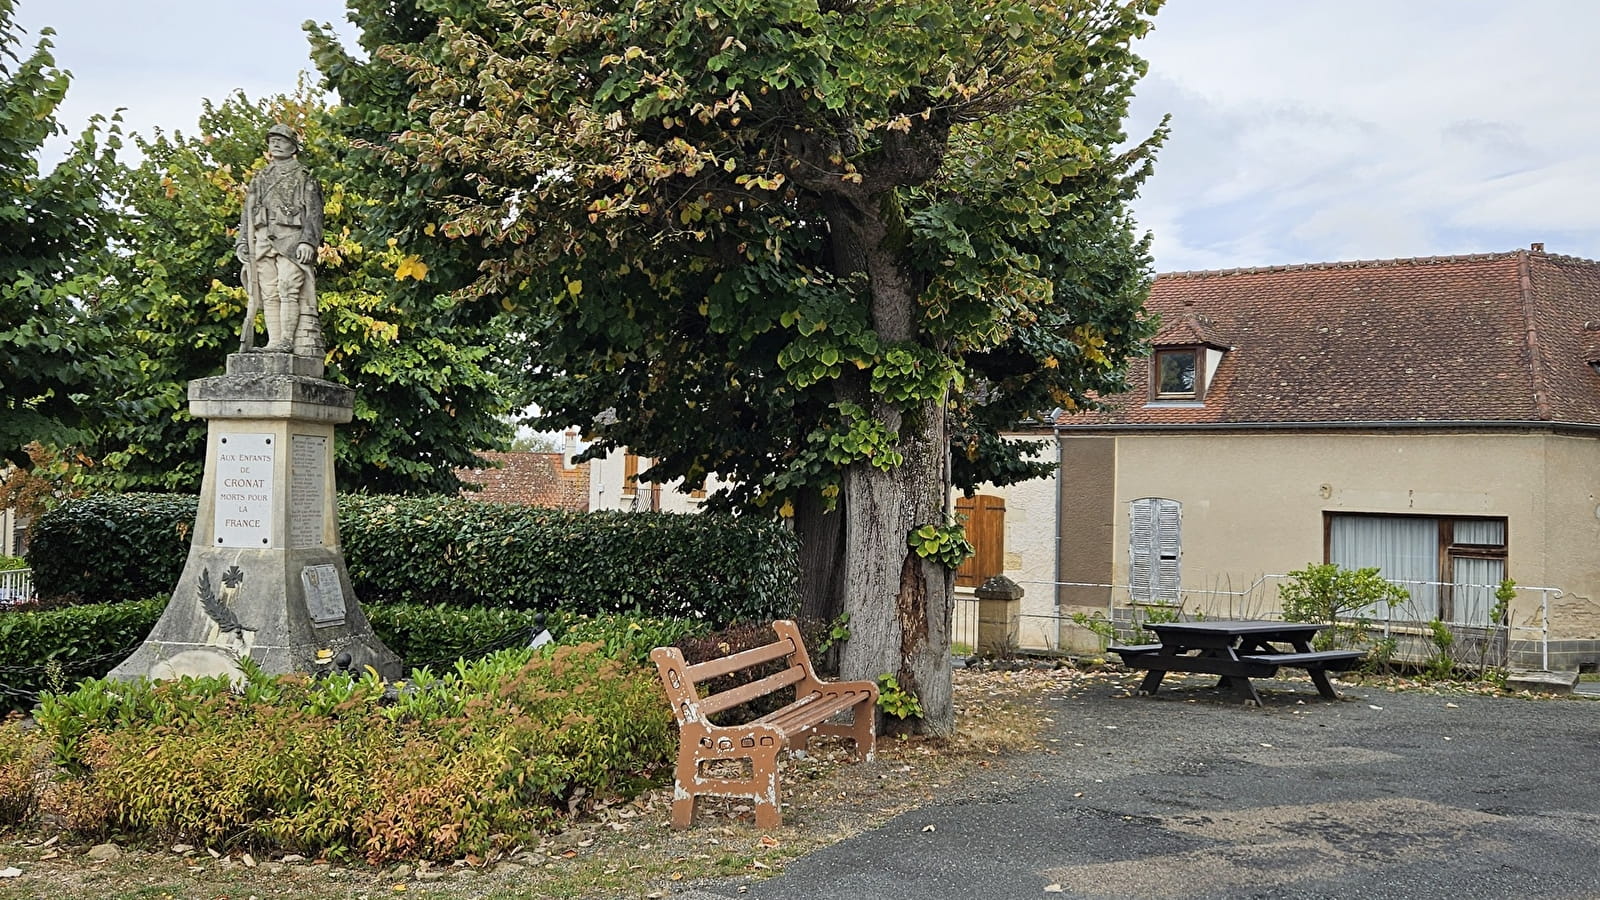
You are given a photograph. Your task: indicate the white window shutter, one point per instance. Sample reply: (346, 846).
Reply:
(1168, 546)
(1141, 548)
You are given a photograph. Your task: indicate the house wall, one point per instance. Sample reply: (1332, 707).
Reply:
(1253, 506)
(7, 527)
(1030, 555)
(606, 489)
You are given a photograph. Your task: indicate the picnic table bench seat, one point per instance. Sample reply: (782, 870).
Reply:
(1337, 660)
(1124, 651)
(1236, 650)
(812, 712)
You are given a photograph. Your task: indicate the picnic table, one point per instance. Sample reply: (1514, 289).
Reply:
(1237, 650)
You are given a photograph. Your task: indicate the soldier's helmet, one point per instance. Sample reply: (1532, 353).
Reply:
(284, 131)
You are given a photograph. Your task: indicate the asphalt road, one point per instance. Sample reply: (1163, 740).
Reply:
(1188, 795)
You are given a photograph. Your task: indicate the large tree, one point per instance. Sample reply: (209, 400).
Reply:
(52, 226)
(429, 390)
(803, 245)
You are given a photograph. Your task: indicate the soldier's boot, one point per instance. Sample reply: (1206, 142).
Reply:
(280, 328)
(308, 336)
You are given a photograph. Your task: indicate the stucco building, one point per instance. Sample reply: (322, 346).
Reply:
(1437, 418)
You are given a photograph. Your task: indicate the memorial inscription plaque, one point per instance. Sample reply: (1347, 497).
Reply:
(324, 596)
(308, 461)
(243, 499)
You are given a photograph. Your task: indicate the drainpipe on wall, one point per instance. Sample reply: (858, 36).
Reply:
(1055, 572)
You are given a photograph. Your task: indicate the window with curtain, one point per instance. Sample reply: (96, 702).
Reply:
(1450, 566)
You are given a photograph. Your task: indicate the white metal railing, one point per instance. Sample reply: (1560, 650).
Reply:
(16, 586)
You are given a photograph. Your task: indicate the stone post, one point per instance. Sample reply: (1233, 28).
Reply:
(999, 616)
(265, 576)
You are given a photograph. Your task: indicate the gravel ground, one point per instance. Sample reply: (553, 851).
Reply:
(1188, 795)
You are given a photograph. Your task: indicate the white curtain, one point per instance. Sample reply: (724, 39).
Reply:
(1472, 592)
(1403, 548)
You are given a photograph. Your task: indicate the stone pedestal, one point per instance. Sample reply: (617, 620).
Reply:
(265, 577)
(999, 616)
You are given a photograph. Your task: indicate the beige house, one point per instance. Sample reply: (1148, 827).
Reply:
(10, 533)
(1437, 418)
(614, 484)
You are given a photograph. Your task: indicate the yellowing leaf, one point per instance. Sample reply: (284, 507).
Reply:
(574, 288)
(787, 509)
(411, 267)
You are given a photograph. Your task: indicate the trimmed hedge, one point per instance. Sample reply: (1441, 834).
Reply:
(54, 648)
(431, 550)
(109, 547)
(464, 553)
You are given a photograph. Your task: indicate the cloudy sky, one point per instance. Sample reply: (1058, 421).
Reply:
(1305, 131)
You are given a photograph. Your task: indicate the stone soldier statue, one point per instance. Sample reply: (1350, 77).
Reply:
(279, 233)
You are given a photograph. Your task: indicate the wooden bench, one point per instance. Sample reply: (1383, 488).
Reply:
(702, 742)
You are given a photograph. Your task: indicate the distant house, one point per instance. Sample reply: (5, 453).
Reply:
(614, 484)
(11, 532)
(1437, 418)
(545, 480)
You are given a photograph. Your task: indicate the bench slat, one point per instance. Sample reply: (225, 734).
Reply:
(1135, 648)
(1323, 659)
(744, 693)
(742, 660)
(811, 709)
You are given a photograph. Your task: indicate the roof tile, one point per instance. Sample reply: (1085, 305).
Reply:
(1488, 337)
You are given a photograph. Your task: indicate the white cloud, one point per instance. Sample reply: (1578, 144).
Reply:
(1318, 131)
(1302, 131)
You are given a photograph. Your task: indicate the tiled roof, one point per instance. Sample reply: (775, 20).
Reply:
(529, 479)
(1497, 337)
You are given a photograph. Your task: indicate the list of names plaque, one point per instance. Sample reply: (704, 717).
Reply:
(243, 493)
(324, 595)
(308, 476)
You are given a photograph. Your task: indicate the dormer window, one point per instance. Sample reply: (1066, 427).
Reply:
(1177, 374)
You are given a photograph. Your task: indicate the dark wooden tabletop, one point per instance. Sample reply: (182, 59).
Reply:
(1237, 627)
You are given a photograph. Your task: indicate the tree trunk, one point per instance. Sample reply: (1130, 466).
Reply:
(900, 603)
(821, 534)
(822, 551)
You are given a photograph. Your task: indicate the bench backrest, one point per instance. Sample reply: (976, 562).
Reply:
(679, 678)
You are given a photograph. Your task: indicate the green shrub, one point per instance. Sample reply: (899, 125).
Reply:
(436, 636)
(628, 637)
(471, 761)
(433, 551)
(8, 563)
(48, 649)
(464, 553)
(54, 649)
(109, 547)
(1339, 598)
(22, 752)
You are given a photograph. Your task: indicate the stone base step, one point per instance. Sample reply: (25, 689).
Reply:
(1541, 682)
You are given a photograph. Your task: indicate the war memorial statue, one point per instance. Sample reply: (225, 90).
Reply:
(265, 578)
(280, 230)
